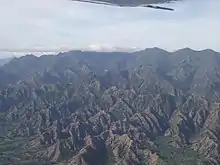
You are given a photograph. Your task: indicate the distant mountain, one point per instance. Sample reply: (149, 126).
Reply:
(149, 107)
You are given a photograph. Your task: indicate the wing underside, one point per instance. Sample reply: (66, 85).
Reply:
(131, 3)
(97, 2)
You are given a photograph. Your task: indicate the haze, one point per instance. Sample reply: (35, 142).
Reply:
(61, 25)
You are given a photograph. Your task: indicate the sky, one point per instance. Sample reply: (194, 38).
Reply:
(62, 25)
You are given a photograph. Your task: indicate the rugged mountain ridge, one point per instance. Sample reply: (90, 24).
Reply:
(90, 108)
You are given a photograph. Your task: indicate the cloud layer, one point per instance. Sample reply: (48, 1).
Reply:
(56, 25)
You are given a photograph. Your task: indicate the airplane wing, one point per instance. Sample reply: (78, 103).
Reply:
(132, 3)
(100, 2)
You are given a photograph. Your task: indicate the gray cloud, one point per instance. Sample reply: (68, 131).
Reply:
(58, 24)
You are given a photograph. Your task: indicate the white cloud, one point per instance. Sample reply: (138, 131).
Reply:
(62, 24)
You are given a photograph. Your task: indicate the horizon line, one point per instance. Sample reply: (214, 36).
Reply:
(90, 49)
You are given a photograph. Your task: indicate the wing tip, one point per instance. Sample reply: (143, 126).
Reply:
(159, 7)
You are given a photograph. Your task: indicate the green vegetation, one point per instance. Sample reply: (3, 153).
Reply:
(111, 157)
(15, 149)
(171, 155)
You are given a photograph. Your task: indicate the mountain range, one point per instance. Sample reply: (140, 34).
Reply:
(149, 107)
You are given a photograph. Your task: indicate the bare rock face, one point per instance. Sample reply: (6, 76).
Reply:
(90, 108)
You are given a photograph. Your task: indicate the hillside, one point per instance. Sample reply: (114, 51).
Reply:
(150, 107)
(4, 61)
